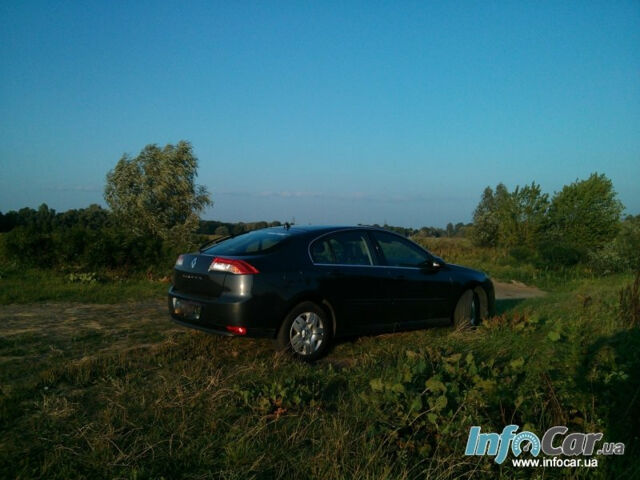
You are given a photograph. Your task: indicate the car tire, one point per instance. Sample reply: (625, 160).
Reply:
(467, 311)
(306, 332)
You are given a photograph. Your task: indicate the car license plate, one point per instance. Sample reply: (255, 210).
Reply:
(186, 309)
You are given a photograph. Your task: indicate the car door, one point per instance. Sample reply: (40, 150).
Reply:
(351, 280)
(419, 289)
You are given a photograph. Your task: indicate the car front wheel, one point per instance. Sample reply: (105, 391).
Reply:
(306, 332)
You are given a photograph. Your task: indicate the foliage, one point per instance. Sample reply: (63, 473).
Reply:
(630, 303)
(623, 252)
(89, 278)
(509, 218)
(522, 254)
(95, 239)
(45, 219)
(522, 214)
(22, 285)
(579, 223)
(585, 214)
(155, 193)
(520, 264)
(29, 245)
(560, 254)
(215, 227)
(222, 231)
(112, 246)
(485, 220)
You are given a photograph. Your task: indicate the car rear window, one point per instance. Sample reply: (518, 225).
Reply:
(251, 243)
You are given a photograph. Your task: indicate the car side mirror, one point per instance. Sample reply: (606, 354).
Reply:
(432, 265)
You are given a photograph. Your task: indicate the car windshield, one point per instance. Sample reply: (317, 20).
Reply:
(251, 243)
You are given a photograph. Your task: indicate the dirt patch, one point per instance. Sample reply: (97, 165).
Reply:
(43, 331)
(515, 289)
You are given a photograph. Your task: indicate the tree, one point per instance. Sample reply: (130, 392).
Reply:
(521, 215)
(585, 214)
(623, 252)
(509, 219)
(450, 229)
(155, 193)
(485, 220)
(44, 218)
(222, 231)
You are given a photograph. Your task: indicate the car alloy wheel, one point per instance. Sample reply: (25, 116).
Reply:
(306, 333)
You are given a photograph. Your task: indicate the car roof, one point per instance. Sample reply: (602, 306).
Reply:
(320, 229)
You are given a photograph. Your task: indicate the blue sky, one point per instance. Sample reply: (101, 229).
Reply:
(326, 112)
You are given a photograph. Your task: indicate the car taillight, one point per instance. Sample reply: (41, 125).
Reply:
(229, 265)
(237, 330)
(179, 260)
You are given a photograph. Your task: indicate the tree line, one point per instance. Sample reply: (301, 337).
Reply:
(96, 237)
(155, 207)
(96, 217)
(580, 223)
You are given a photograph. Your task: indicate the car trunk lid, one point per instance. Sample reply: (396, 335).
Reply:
(192, 275)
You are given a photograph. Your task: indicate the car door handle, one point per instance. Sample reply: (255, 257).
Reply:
(336, 273)
(399, 277)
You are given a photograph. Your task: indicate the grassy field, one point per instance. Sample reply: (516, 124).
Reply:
(499, 264)
(117, 391)
(28, 285)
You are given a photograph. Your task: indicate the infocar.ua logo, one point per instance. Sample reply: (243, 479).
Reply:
(499, 444)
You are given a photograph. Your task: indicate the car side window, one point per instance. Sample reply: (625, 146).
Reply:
(321, 252)
(398, 252)
(343, 248)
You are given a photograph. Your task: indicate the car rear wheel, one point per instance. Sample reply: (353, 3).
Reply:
(305, 332)
(467, 311)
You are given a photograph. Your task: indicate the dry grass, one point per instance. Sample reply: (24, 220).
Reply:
(118, 391)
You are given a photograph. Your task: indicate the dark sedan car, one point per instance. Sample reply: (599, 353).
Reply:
(305, 285)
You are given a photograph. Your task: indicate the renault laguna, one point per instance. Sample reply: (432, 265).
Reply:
(307, 285)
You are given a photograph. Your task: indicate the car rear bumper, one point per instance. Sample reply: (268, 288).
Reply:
(215, 315)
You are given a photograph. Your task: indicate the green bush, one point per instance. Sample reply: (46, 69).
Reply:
(87, 278)
(79, 247)
(29, 246)
(89, 239)
(622, 253)
(630, 303)
(557, 254)
(522, 254)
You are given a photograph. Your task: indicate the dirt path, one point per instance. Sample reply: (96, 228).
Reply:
(76, 319)
(515, 289)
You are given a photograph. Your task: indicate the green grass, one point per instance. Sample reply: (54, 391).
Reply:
(499, 265)
(28, 285)
(120, 392)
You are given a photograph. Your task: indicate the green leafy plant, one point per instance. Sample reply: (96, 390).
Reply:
(629, 304)
(88, 278)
